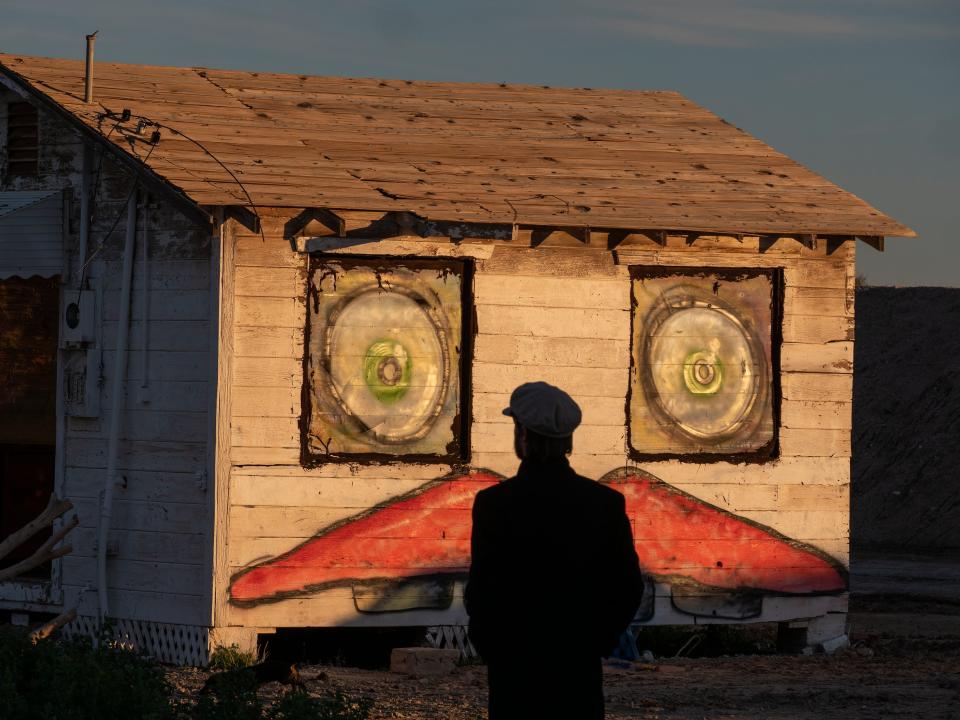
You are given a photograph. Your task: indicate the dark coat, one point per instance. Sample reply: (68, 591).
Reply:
(554, 581)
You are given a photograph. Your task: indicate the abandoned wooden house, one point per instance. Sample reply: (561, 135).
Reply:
(259, 329)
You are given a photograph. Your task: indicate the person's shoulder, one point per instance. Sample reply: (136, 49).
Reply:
(601, 494)
(495, 492)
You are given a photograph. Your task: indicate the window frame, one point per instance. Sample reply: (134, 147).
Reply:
(769, 451)
(459, 450)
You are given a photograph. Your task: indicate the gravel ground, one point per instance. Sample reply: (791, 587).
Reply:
(904, 663)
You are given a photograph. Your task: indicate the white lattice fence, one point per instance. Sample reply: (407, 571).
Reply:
(452, 636)
(165, 642)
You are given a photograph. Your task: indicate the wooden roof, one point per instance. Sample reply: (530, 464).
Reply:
(453, 151)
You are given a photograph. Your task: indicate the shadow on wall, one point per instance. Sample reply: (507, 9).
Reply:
(906, 418)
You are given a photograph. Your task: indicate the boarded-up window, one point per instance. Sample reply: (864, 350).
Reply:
(383, 372)
(704, 356)
(23, 140)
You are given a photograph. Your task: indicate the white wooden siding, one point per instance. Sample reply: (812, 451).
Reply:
(557, 314)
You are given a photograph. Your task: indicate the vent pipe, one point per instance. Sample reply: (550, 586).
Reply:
(88, 82)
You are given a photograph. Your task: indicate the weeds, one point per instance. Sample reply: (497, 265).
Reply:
(230, 658)
(75, 680)
(72, 680)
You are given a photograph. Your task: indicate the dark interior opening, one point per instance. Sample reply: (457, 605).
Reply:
(29, 313)
(23, 140)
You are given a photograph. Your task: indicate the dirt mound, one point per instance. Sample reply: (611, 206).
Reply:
(906, 418)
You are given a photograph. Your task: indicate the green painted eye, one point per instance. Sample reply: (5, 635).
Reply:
(702, 373)
(387, 367)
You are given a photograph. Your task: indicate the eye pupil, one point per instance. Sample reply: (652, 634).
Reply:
(389, 371)
(386, 370)
(704, 372)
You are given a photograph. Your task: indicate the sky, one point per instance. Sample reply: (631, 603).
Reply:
(864, 92)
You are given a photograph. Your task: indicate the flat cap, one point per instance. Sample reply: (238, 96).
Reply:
(545, 409)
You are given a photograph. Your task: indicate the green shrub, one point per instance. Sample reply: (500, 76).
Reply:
(230, 658)
(72, 680)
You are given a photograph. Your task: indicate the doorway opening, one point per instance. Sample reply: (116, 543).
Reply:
(29, 323)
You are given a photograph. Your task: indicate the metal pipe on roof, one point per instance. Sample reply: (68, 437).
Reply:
(88, 78)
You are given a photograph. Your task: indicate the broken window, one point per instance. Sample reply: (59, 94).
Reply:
(704, 362)
(383, 368)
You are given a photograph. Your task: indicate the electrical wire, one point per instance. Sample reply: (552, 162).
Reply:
(116, 221)
(219, 162)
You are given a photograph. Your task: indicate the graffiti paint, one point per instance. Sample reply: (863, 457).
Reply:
(383, 361)
(424, 536)
(702, 361)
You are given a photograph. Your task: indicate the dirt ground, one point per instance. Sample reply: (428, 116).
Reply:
(904, 662)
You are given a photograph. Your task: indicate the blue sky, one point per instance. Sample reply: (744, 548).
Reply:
(865, 92)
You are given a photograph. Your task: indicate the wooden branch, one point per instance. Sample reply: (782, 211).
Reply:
(48, 628)
(42, 554)
(55, 508)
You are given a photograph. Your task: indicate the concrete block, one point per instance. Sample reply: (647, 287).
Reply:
(826, 627)
(423, 661)
(837, 643)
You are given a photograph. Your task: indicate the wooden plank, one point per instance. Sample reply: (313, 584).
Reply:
(281, 402)
(815, 442)
(780, 472)
(282, 521)
(806, 414)
(163, 335)
(183, 548)
(219, 510)
(286, 312)
(275, 282)
(135, 605)
(813, 497)
(823, 387)
(818, 301)
(164, 305)
(349, 494)
(817, 329)
(277, 342)
(265, 432)
(267, 372)
(144, 516)
(542, 351)
(165, 396)
(166, 275)
(833, 357)
(264, 456)
(805, 525)
(546, 322)
(577, 293)
(137, 455)
(275, 252)
(578, 381)
(162, 366)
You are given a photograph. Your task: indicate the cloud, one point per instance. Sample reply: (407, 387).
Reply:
(752, 23)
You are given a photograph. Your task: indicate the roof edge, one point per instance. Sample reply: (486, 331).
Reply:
(143, 172)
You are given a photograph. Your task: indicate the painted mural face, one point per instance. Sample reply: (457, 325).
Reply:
(383, 358)
(702, 366)
(407, 552)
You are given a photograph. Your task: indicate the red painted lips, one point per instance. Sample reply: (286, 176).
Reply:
(427, 533)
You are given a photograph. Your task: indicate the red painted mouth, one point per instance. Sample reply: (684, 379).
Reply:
(427, 533)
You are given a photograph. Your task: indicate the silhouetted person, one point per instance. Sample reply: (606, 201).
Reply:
(554, 578)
